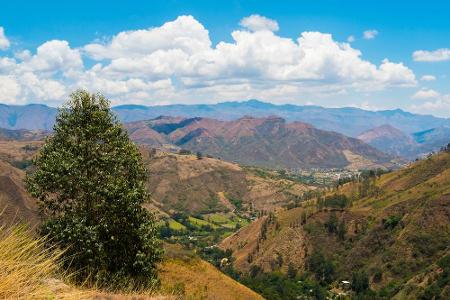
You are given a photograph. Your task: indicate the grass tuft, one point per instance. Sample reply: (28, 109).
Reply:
(28, 270)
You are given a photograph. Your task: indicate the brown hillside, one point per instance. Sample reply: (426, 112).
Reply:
(268, 142)
(182, 271)
(15, 202)
(185, 183)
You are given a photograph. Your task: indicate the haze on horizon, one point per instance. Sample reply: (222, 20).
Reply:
(178, 52)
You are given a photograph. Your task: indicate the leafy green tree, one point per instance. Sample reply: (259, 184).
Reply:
(90, 183)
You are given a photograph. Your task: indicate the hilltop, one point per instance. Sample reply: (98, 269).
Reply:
(394, 227)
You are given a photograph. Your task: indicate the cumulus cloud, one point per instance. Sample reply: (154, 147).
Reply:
(351, 38)
(442, 54)
(428, 78)
(370, 34)
(257, 23)
(4, 42)
(53, 56)
(178, 62)
(185, 34)
(426, 94)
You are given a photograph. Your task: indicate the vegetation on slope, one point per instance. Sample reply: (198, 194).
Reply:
(185, 183)
(387, 235)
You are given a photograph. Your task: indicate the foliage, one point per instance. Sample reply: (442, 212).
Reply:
(236, 202)
(360, 281)
(391, 222)
(332, 223)
(334, 201)
(90, 184)
(276, 286)
(322, 268)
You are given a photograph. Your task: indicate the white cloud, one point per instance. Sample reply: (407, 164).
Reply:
(426, 94)
(370, 34)
(53, 56)
(4, 42)
(351, 38)
(177, 62)
(440, 106)
(428, 78)
(185, 34)
(257, 23)
(442, 54)
(9, 89)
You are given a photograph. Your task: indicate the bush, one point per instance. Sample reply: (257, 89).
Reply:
(90, 186)
(391, 222)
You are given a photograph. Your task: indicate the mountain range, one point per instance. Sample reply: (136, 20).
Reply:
(349, 121)
(266, 142)
(395, 132)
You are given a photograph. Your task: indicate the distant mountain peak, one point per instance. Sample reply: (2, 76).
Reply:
(382, 131)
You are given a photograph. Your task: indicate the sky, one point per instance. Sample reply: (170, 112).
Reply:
(378, 55)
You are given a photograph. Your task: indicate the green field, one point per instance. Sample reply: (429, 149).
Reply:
(176, 226)
(199, 222)
(226, 220)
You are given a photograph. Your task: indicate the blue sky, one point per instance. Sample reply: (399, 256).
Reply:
(159, 52)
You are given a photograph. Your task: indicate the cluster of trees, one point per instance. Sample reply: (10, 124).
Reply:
(89, 180)
(333, 201)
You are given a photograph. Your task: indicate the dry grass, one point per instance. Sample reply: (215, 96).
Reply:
(28, 270)
(198, 279)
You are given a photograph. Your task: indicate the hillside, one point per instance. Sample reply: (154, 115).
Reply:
(184, 274)
(349, 121)
(395, 228)
(432, 139)
(177, 183)
(15, 203)
(266, 142)
(31, 271)
(187, 184)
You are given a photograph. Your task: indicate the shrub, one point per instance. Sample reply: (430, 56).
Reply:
(391, 222)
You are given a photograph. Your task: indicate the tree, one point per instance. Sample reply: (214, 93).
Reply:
(199, 155)
(332, 223)
(341, 230)
(360, 281)
(90, 184)
(322, 268)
